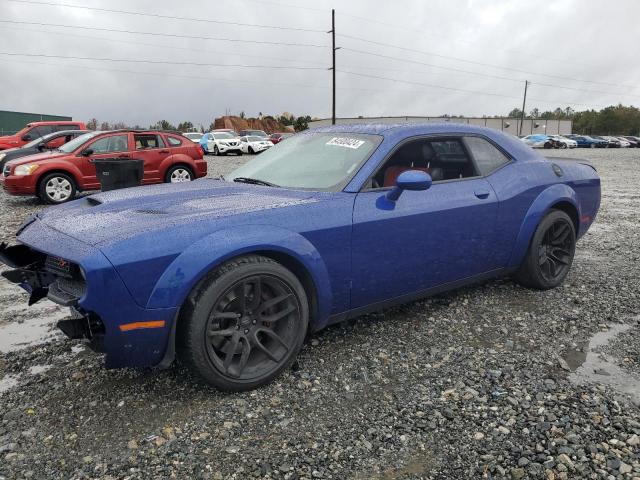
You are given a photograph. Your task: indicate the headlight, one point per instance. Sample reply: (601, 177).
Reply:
(27, 169)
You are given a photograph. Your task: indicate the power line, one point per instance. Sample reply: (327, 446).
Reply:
(163, 74)
(475, 92)
(158, 45)
(159, 34)
(449, 39)
(157, 15)
(458, 59)
(158, 62)
(481, 74)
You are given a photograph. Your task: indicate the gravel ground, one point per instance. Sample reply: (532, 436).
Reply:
(477, 383)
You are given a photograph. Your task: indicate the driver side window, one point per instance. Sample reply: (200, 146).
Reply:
(442, 158)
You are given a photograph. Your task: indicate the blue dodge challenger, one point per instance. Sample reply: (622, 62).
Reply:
(231, 274)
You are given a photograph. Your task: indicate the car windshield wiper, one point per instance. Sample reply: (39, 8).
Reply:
(254, 181)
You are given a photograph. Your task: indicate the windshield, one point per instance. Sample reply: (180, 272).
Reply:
(314, 161)
(76, 142)
(223, 136)
(35, 142)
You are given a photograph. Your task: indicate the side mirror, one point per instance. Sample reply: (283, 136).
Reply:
(87, 152)
(410, 180)
(41, 146)
(26, 138)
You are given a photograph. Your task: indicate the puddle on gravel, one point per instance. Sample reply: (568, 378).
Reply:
(8, 382)
(17, 335)
(592, 366)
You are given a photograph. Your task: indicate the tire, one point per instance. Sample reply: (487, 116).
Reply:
(239, 153)
(179, 174)
(267, 348)
(216, 151)
(547, 145)
(56, 188)
(563, 145)
(251, 151)
(550, 253)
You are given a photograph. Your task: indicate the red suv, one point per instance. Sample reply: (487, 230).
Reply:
(36, 130)
(56, 175)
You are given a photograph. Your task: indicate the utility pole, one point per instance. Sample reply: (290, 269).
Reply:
(333, 65)
(524, 103)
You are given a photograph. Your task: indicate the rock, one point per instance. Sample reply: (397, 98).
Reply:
(503, 430)
(625, 468)
(478, 436)
(8, 447)
(564, 459)
(517, 473)
(633, 440)
(132, 445)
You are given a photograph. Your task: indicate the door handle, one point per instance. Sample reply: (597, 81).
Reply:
(481, 193)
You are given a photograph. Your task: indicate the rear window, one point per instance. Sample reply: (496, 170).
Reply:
(174, 141)
(146, 141)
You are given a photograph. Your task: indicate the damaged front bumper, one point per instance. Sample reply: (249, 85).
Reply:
(49, 264)
(59, 280)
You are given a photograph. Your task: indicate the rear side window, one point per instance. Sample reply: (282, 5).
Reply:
(41, 131)
(114, 143)
(146, 141)
(174, 142)
(488, 158)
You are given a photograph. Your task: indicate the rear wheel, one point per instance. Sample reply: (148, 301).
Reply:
(244, 324)
(550, 253)
(56, 188)
(216, 151)
(178, 174)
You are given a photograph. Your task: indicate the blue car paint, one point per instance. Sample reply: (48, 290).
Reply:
(144, 249)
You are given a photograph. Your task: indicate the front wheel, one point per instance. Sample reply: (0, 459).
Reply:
(550, 253)
(216, 151)
(56, 188)
(244, 324)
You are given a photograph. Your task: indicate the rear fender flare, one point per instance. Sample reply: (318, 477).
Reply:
(175, 159)
(539, 208)
(206, 254)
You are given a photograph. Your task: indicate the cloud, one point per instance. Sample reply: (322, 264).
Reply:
(545, 44)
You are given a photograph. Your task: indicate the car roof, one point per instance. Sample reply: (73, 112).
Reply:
(416, 128)
(60, 122)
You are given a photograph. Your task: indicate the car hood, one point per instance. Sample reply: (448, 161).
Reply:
(36, 157)
(9, 141)
(117, 215)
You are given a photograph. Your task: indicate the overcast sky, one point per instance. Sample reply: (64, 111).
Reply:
(555, 43)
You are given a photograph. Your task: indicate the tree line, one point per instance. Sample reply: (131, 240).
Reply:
(615, 119)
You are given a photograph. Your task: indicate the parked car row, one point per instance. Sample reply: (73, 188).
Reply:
(56, 166)
(540, 140)
(225, 140)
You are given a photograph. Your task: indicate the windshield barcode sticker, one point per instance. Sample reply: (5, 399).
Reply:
(346, 142)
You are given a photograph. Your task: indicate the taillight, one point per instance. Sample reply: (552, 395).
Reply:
(200, 150)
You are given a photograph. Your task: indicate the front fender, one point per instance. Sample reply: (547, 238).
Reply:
(206, 254)
(539, 208)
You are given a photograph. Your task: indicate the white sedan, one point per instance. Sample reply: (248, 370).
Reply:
(220, 143)
(567, 142)
(254, 144)
(193, 136)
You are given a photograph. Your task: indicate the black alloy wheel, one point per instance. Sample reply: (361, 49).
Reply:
(550, 253)
(246, 324)
(556, 250)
